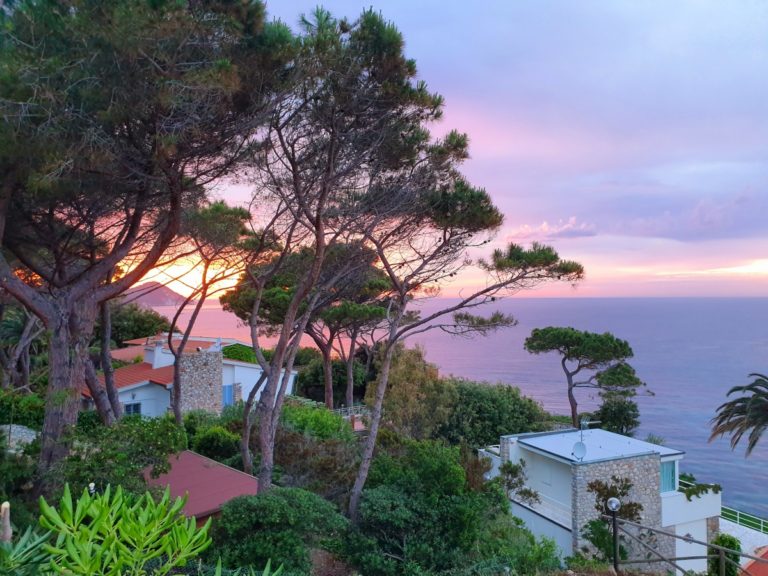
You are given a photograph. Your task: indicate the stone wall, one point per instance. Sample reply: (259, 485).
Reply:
(201, 381)
(713, 527)
(644, 474)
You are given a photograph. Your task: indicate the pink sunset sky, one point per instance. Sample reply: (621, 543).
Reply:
(632, 136)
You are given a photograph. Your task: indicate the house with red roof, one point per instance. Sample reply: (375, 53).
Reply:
(209, 381)
(207, 484)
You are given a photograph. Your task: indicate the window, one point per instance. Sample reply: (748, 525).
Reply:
(228, 395)
(668, 476)
(133, 409)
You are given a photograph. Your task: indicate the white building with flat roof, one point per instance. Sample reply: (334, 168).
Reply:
(560, 465)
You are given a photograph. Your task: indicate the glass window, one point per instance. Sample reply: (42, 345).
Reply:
(132, 409)
(668, 476)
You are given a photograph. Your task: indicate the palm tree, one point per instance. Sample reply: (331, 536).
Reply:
(747, 414)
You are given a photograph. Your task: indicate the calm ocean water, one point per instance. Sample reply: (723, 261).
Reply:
(688, 351)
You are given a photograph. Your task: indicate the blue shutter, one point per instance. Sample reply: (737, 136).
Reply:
(228, 392)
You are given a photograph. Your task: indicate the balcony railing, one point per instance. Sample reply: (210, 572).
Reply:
(737, 516)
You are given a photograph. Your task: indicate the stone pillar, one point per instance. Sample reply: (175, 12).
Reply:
(713, 528)
(201, 381)
(644, 472)
(506, 444)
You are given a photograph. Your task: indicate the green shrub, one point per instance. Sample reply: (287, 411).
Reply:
(195, 421)
(25, 556)
(217, 443)
(239, 352)
(732, 567)
(118, 454)
(283, 524)
(483, 412)
(316, 421)
(24, 409)
(311, 380)
(420, 514)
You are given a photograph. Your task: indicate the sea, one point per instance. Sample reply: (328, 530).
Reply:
(689, 351)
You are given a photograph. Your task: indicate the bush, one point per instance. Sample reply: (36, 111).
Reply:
(483, 412)
(217, 443)
(316, 421)
(311, 380)
(195, 421)
(283, 525)
(24, 409)
(732, 567)
(420, 515)
(239, 352)
(326, 467)
(619, 415)
(120, 453)
(417, 401)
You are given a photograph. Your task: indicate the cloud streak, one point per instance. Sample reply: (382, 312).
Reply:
(569, 228)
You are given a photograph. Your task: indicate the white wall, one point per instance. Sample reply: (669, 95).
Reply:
(155, 400)
(550, 478)
(698, 531)
(542, 527)
(247, 375)
(676, 509)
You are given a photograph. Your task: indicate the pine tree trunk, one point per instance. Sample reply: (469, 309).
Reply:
(99, 395)
(370, 443)
(350, 395)
(106, 360)
(67, 358)
(328, 376)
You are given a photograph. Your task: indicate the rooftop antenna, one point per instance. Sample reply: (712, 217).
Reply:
(579, 448)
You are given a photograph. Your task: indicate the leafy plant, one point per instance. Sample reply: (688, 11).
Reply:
(217, 443)
(25, 557)
(113, 534)
(288, 522)
(481, 413)
(120, 454)
(513, 478)
(696, 489)
(316, 421)
(732, 558)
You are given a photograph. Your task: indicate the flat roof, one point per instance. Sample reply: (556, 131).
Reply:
(600, 445)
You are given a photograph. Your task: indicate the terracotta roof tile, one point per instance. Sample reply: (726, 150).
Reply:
(208, 484)
(127, 354)
(138, 373)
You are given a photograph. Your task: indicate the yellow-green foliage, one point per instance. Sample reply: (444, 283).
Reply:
(112, 534)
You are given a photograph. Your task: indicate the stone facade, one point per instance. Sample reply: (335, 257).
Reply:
(644, 472)
(713, 527)
(201, 381)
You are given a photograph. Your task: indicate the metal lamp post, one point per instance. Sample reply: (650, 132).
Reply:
(613, 504)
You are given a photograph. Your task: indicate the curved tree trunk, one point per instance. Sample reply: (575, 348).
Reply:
(350, 393)
(99, 395)
(327, 376)
(67, 358)
(106, 360)
(571, 396)
(247, 426)
(370, 443)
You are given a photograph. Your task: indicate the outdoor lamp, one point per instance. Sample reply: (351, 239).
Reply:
(613, 504)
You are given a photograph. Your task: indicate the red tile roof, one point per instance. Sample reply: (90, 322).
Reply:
(208, 484)
(127, 354)
(138, 373)
(756, 568)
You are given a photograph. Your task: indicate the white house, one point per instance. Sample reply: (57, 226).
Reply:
(559, 466)
(209, 381)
